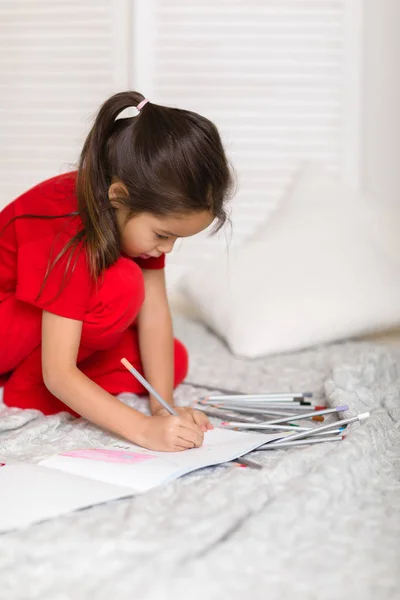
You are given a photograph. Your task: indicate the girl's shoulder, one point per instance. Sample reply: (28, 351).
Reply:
(47, 210)
(54, 196)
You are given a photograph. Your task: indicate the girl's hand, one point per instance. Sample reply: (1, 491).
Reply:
(169, 433)
(193, 416)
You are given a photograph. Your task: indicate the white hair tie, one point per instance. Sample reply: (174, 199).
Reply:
(132, 111)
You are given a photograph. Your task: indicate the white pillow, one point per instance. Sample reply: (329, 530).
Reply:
(326, 266)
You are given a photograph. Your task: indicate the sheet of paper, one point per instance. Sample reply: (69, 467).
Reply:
(141, 469)
(30, 493)
(81, 478)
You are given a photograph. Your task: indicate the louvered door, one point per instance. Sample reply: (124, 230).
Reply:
(58, 62)
(280, 78)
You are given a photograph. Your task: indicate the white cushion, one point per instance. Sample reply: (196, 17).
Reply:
(326, 266)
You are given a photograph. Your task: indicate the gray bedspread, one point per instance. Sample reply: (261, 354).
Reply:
(317, 522)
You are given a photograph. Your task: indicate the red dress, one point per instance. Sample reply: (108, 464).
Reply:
(107, 308)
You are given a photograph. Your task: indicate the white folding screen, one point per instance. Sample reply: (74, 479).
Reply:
(280, 78)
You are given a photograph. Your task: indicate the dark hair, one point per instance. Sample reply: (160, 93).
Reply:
(169, 160)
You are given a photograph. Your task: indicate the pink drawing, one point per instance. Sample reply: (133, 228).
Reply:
(111, 456)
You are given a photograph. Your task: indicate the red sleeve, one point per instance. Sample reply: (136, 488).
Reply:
(67, 289)
(151, 263)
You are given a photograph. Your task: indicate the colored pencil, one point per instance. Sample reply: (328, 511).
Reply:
(265, 426)
(266, 407)
(256, 403)
(259, 405)
(262, 411)
(278, 428)
(252, 411)
(326, 411)
(148, 387)
(249, 463)
(272, 396)
(316, 430)
(305, 442)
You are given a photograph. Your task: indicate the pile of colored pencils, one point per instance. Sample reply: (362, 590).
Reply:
(278, 412)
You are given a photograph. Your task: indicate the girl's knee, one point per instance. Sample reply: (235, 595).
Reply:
(20, 332)
(115, 305)
(181, 362)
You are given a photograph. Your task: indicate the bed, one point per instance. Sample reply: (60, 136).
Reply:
(317, 522)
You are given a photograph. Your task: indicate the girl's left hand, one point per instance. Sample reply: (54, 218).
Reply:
(196, 416)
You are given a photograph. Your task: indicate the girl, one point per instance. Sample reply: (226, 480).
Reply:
(81, 271)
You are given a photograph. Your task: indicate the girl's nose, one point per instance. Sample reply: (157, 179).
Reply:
(166, 246)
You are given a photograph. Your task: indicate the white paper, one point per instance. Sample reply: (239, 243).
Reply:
(144, 469)
(67, 482)
(30, 493)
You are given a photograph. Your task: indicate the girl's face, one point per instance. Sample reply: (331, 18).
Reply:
(148, 236)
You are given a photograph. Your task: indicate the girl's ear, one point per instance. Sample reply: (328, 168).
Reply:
(115, 191)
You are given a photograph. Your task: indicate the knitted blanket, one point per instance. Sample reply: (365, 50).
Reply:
(321, 521)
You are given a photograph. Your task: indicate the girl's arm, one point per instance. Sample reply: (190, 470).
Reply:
(156, 341)
(156, 344)
(60, 345)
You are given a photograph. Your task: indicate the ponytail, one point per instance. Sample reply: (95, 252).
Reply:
(94, 178)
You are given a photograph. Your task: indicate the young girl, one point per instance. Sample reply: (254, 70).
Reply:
(81, 271)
